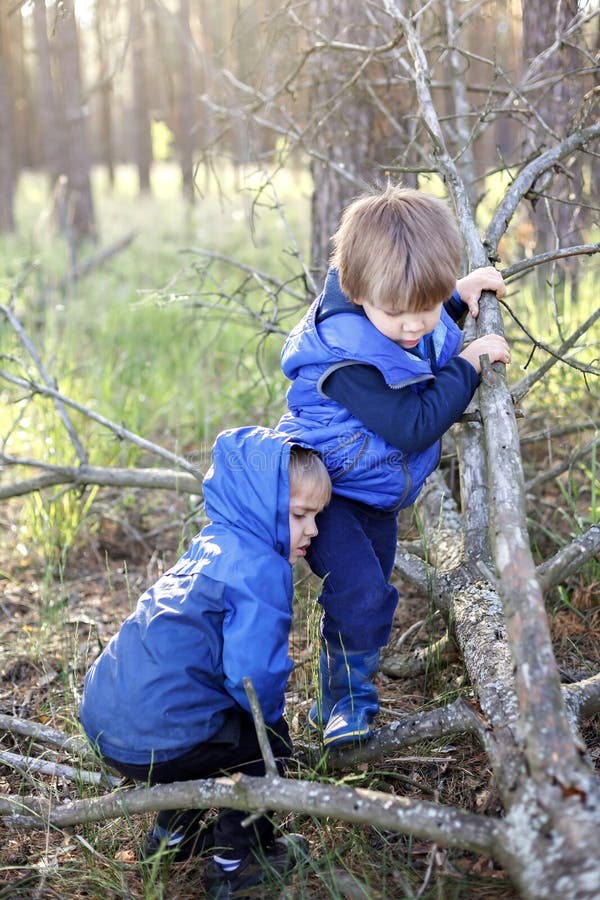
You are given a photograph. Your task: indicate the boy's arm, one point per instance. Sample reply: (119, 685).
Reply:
(455, 307)
(412, 420)
(407, 420)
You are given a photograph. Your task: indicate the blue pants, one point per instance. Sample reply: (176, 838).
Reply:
(354, 552)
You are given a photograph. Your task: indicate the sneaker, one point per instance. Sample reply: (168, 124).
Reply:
(176, 847)
(260, 866)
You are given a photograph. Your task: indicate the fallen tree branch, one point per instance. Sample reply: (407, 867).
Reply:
(58, 770)
(150, 479)
(416, 662)
(80, 271)
(431, 821)
(413, 570)
(49, 382)
(569, 559)
(583, 697)
(520, 388)
(35, 387)
(72, 744)
(557, 470)
(455, 718)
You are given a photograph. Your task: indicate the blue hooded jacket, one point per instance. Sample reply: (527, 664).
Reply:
(165, 682)
(336, 333)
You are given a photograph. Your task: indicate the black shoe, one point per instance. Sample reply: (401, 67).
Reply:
(260, 866)
(175, 849)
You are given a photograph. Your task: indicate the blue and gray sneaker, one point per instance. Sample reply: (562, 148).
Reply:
(177, 846)
(260, 867)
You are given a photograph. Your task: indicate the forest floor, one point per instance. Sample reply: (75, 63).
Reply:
(52, 628)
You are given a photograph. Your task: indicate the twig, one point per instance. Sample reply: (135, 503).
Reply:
(569, 559)
(79, 272)
(28, 764)
(543, 477)
(49, 382)
(525, 265)
(261, 731)
(521, 387)
(121, 432)
(73, 744)
(150, 479)
(263, 743)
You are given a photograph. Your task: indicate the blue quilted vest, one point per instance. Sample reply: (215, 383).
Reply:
(362, 465)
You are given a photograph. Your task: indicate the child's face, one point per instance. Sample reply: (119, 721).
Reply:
(306, 502)
(404, 328)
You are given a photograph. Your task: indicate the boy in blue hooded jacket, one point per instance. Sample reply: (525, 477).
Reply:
(378, 375)
(165, 700)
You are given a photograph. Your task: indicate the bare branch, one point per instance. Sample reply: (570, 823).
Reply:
(557, 470)
(549, 743)
(520, 388)
(583, 697)
(261, 731)
(59, 770)
(123, 433)
(449, 826)
(526, 265)
(527, 177)
(569, 559)
(457, 717)
(75, 744)
(49, 382)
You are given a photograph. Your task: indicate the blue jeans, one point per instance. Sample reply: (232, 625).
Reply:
(354, 552)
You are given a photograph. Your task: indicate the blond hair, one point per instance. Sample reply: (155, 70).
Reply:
(398, 249)
(306, 465)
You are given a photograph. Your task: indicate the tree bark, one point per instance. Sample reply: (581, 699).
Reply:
(50, 121)
(79, 221)
(141, 114)
(7, 162)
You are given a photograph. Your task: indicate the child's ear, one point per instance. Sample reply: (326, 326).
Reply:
(356, 300)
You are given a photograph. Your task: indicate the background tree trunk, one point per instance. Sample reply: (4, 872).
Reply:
(105, 79)
(141, 114)
(557, 103)
(185, 105)
(50, 123)
(342, 131)
(80, 220)
(7, 166)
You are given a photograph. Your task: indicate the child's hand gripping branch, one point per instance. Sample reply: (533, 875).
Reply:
(469, 289)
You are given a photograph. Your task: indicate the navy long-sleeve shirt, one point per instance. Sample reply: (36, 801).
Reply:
(407, 419)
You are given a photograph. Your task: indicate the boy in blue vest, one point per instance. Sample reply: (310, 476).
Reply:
(165, 700)
(378, 375)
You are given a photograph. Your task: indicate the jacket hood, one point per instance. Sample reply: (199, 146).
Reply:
(247, 487)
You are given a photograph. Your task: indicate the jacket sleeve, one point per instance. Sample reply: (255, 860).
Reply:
(255, 642)
(408, 419)
(455, 307)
